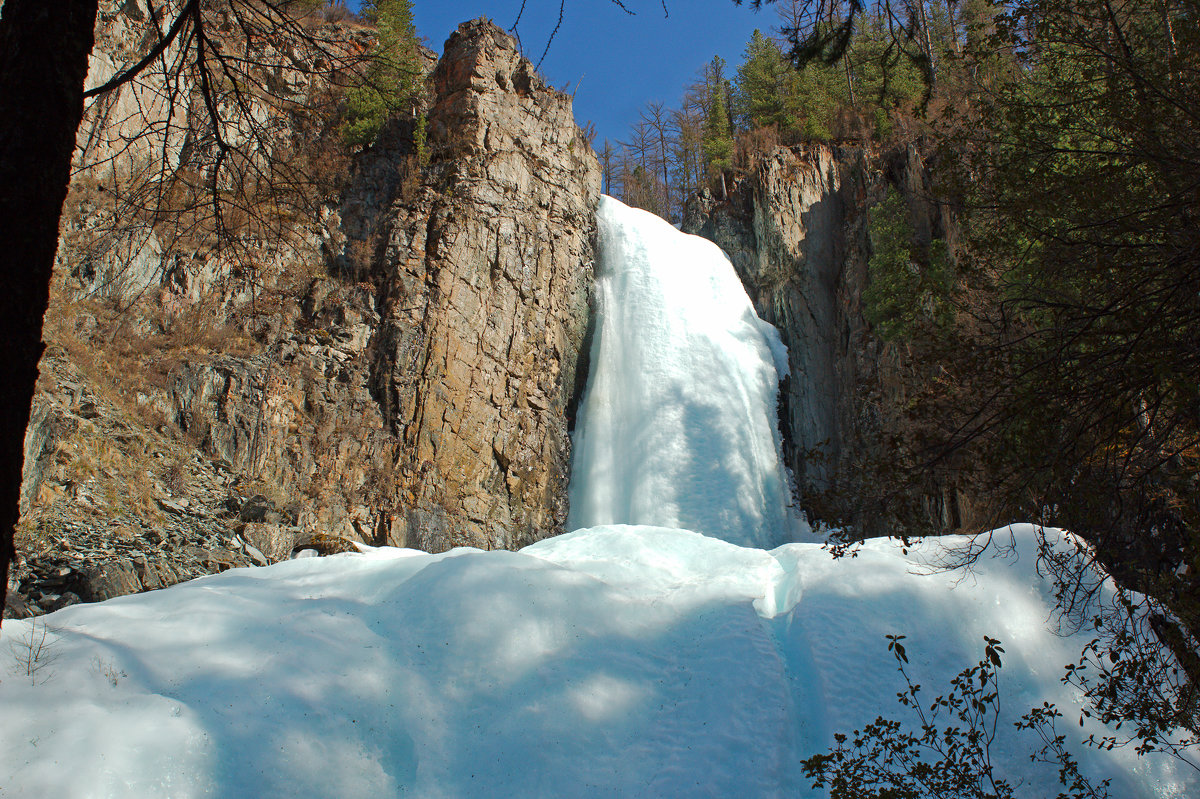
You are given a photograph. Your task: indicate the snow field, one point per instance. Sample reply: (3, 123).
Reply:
(615, 661)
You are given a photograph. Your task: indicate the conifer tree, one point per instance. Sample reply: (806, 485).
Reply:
(393, 80)
(761, 96)
(718, 134)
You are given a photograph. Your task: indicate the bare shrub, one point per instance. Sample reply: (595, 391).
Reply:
(108, 670)
(35, 652)
(753, 145)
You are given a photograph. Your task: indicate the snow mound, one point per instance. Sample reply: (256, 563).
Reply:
(618, 661)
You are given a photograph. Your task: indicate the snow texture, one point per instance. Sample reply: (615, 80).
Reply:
(614, 661)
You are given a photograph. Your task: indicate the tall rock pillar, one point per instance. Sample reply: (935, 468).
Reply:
(486, 305)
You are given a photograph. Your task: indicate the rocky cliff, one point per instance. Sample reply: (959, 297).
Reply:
(485, 308)
(796, 229)
(400, 369)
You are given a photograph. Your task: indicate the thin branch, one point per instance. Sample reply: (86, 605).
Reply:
(189, 11)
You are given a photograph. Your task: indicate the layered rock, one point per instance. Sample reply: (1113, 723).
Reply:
(152, 172)
(402, 371)
(796, 230)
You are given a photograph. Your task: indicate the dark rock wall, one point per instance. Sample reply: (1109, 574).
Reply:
(796, 229)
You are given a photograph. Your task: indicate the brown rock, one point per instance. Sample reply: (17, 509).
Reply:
(420, 400)
(500, 250)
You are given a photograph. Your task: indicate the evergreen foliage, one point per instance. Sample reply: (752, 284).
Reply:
(884, 78)
(762, 92)
(722, 124)
(910, 285)
(718, 129)
(392, 80)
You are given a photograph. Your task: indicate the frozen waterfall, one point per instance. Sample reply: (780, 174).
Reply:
(624, 659)
(678, 422)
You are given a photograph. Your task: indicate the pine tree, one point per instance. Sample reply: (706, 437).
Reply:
(761, 94)
(393, 79)
(718, 133)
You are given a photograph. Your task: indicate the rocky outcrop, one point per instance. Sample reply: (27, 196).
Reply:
(795, 232)
(485, 305)
(796, 229)
(402, 372)
(110, 505)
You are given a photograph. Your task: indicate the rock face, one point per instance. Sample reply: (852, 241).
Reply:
(153, 137)
(796, 229)
(485, 308)
(405, 374)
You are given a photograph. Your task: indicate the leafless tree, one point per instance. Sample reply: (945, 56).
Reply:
(198, 128)
(658, 123)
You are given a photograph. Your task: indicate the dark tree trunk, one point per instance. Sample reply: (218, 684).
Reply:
(44, 50)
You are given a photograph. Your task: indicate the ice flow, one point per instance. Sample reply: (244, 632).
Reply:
(677, 426)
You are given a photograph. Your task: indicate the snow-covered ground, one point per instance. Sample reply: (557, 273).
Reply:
(614, 661)
(617, 660)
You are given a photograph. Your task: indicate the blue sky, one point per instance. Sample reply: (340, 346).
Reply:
(613, 62)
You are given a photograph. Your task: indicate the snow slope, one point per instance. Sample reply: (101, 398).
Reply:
(615, 661)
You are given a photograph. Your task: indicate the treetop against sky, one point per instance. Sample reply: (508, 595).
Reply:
(612, 61)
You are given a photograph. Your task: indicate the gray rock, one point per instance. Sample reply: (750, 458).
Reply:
(796, 229)
(259, 509)
(110, 579)
(274, 541)
(256, 556)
